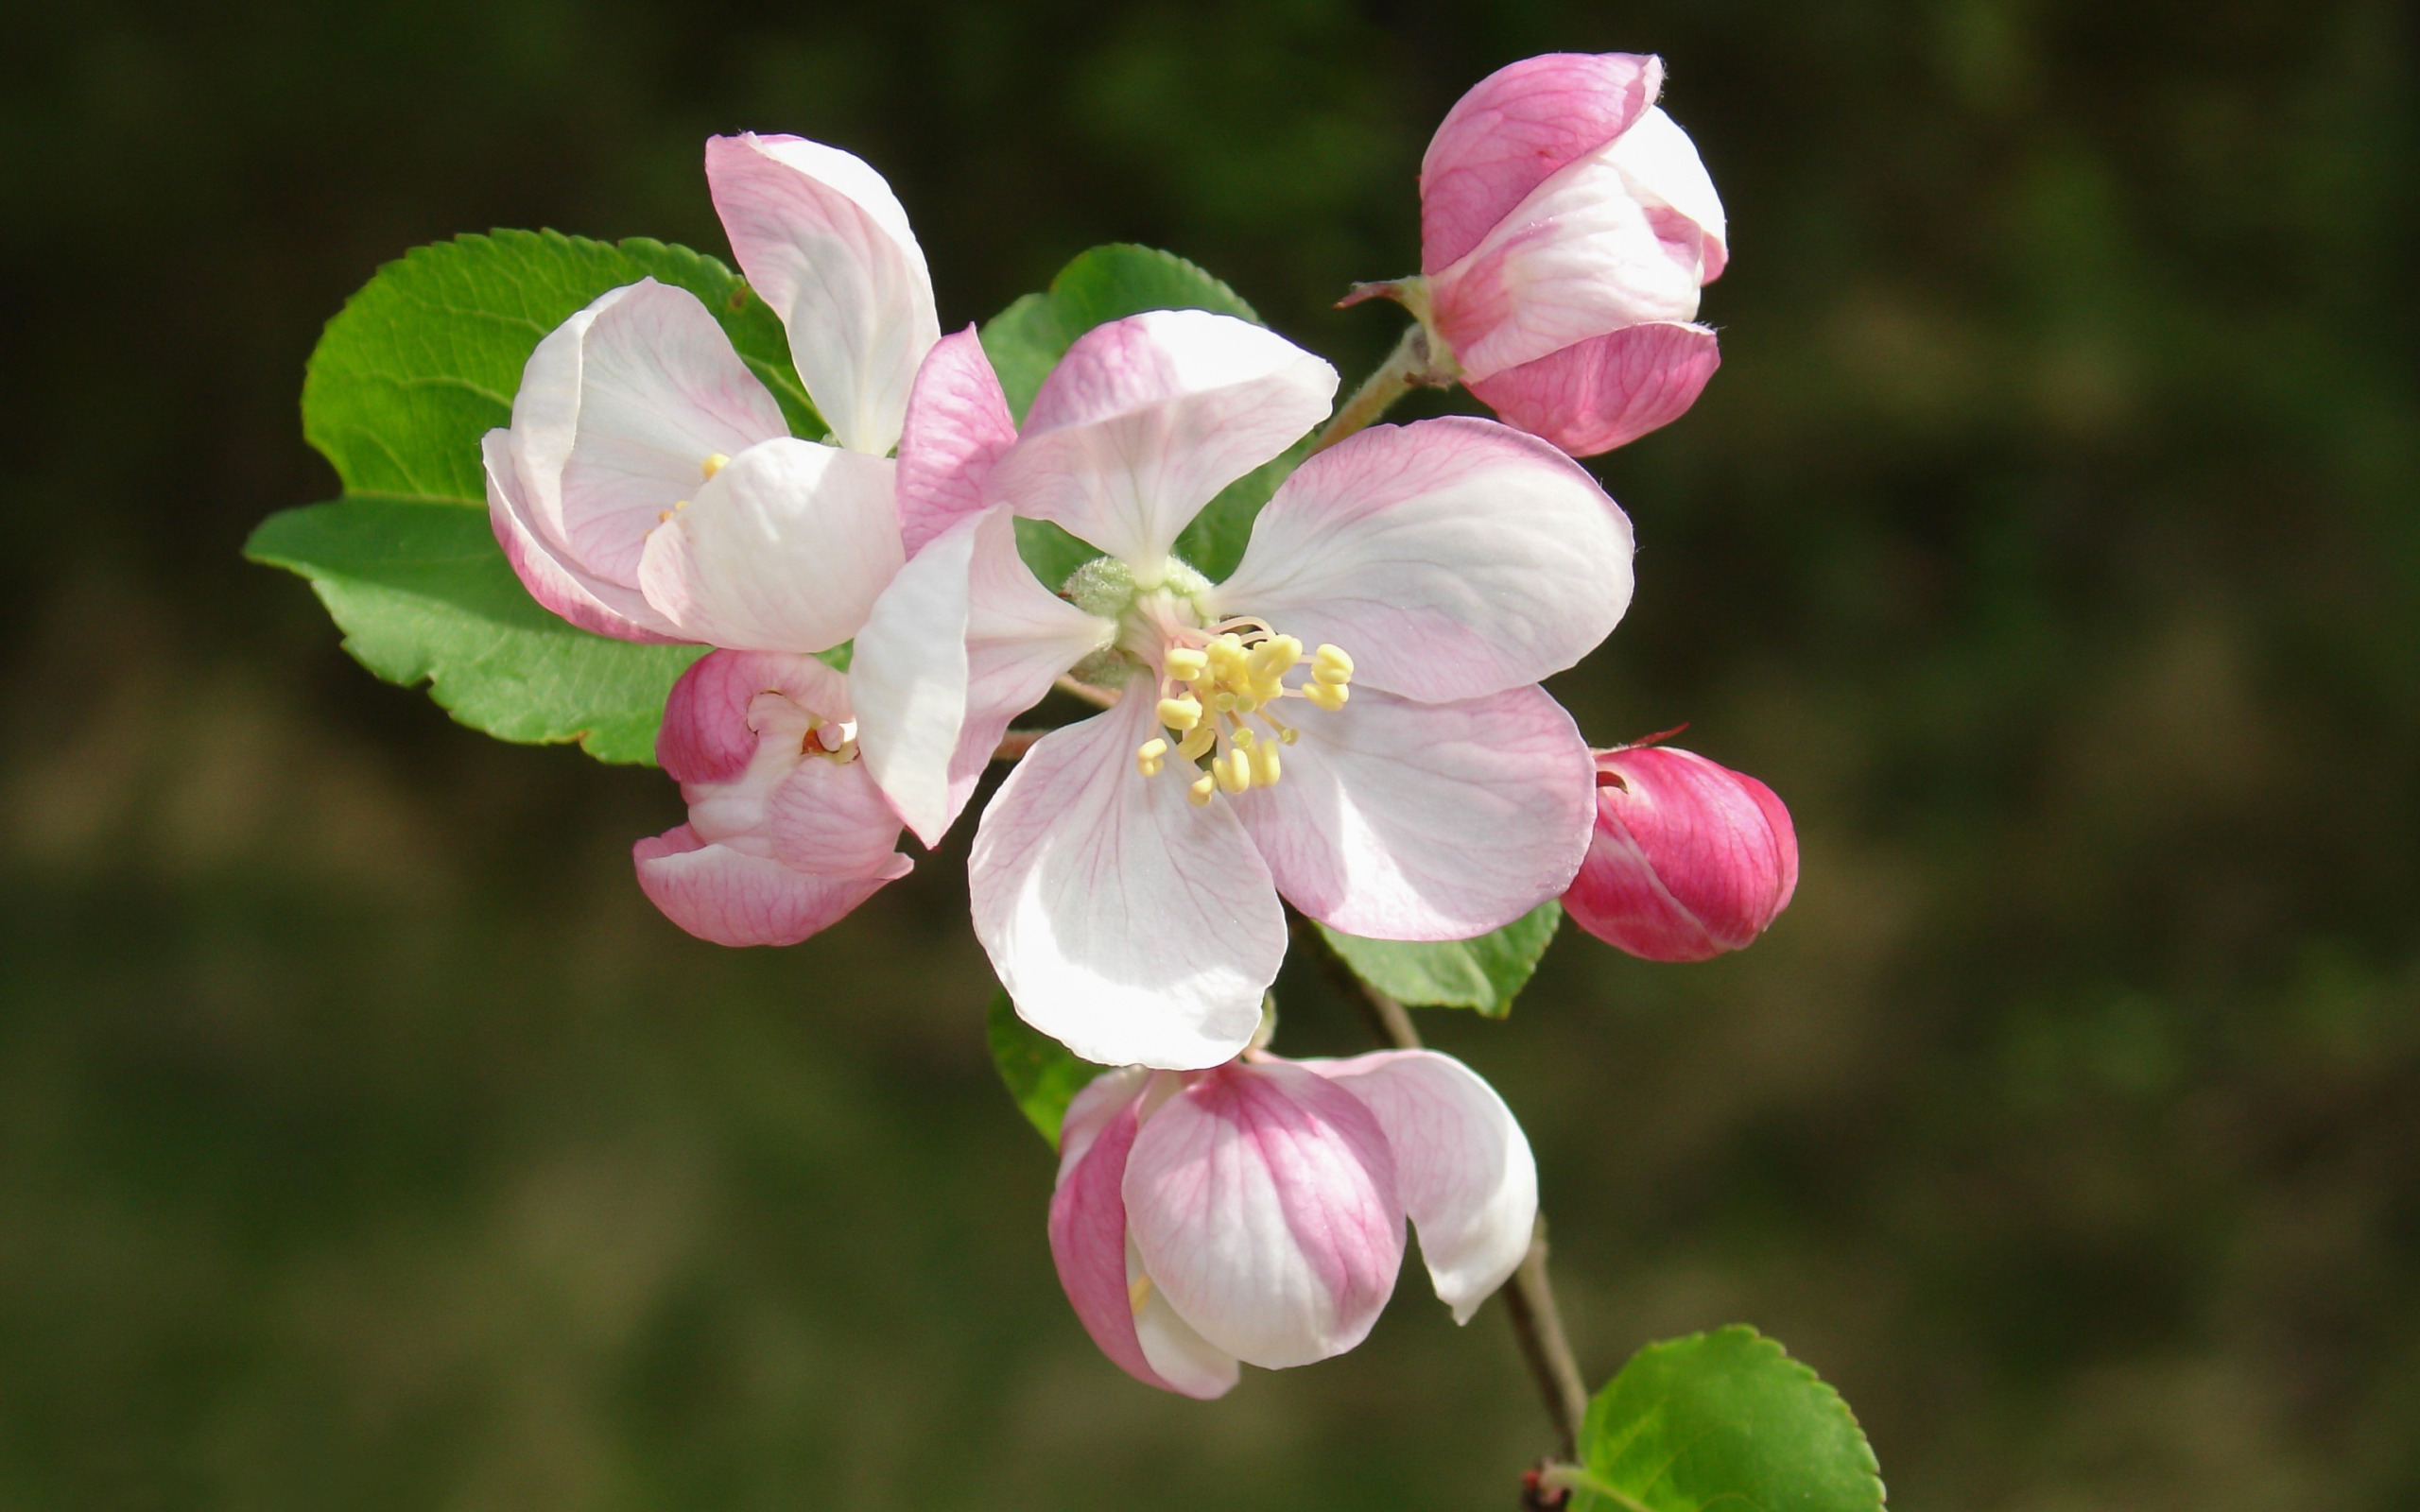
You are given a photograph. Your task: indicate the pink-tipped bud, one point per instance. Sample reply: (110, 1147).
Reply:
(1690, 858)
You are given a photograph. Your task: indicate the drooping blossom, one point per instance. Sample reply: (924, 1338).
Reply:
(1566, 226)
(1255, 1212)
(1690, 859)
(1352, 719)
(650, 489)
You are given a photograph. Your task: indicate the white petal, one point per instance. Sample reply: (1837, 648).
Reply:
(823, 238)
(1126, 923)
(1175, 1351)
(1452, 557)
(1146, 419)
(784, 550)
(1403, 820)
(1463, 1165)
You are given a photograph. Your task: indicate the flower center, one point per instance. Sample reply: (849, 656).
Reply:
(1220, 688)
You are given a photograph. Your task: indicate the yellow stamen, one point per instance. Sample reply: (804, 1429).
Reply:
(1244, 738)
(1199, 792)
(1233, 770)
(1195, 744)
(1264, 765)
(1138, 1294)
(1328, 695)
(1180, 713)
(714, 463)
(1186, 663)
(1149, 757)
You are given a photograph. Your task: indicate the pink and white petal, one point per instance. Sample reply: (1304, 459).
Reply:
(958, 426)
(545, 413)
(784, 550)
(1663, 168)
(823, 238)
(1582, 256)
(606, 609)
(1146, 419)
(731, 897)
(709, 732)
(1450, 557)
(828, 818)
(1178, 1353)
(1428, 821)
(1094, 1108)
(1463, 1167)
(1595, 395)
(962, 641)
(1512, 129)
(1128, 925)
(1262, 1200)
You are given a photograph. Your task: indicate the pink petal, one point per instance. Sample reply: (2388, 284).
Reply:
(1463, 1165)
(706, 736)
(1609, 391)
(823, 238)
(1421, 822)
(782, 550)
(1451, 558)
(1126, 923)
(594, 605)
(1262, 1203)
(829, 818)
(1088, 1232)
(1512, 129)
(958, 426)
(661, 392)
(1146, 419)
(729, 897)
(1690, 859)
(962, 641)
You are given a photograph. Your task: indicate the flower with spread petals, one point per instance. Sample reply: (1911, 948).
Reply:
(1690, 859)
(649, 488)
(1566, 226)
(1255, 1212)
(1351, 719)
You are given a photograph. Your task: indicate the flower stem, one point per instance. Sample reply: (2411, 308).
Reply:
(1575, 1478)
(1528, 1296)
(1405, 366)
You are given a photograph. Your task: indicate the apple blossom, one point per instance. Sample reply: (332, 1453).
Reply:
(1352, 719)
(1566, 226)
(1690, 859)
(1255, 1212)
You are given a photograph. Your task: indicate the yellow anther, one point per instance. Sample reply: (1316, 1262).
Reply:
(1268, 692)
(1223, 702)
(1149, 757)
(1199, 792)
(1244, 703)
(1328, 695)
(1180, 713)
(1275, 655)
(714, 464)
(1138, 1294)
(1233, 770)
(1330, 665)
(1186, 663)
(1195, 744)
(1264, 765)
(1244, 739)
(677, 505)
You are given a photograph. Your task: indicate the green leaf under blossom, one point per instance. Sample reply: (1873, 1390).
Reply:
(422, 593)
(1723, 1422)
(1485, 973)
(418, 365)
(1026, 340)
(1042, 1075)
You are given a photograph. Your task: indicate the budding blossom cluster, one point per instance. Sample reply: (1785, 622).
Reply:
(1349, 724)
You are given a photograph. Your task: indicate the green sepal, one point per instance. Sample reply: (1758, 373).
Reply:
(1485, 973)
(1723, 1422)
(1043, 1077)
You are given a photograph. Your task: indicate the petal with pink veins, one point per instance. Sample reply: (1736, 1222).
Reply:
(825, 241)
(1595, 395)
(591, 603)
(1463, 1167)
(1421, 822)
(782, 550)
(1262, 1201)
(1127, 924)
(731, 897)
(662, 394)
(828, 818)
(958, 426)
(708, 736)
(1513, 128)
(1451, 558)
(1146, 419)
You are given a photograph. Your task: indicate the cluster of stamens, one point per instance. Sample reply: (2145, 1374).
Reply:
(1218, 690)
(714, 462)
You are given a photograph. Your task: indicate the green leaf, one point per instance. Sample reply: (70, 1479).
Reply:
(418, 365)
(1041, 1074)
(1485, 973)
(1722, 1420)
(421, 591)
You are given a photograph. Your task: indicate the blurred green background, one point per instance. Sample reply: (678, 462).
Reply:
(2049, 541)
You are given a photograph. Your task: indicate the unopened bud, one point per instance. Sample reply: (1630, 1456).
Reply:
(1690, 859)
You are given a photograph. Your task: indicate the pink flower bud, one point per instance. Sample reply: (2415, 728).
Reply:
(1690, 859)
(1566, 225)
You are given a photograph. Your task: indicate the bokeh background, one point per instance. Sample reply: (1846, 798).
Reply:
(2049, 540)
